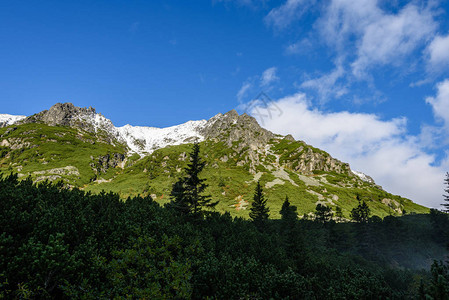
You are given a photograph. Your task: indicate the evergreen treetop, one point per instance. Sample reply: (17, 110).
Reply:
(259, 210)
(288, 212)
(360, 213)
(187, 193)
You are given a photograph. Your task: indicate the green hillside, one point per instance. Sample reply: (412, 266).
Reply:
(285, 167)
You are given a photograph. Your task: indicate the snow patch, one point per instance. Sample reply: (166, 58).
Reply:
(142, 139)
(363, 176)
(6, 120)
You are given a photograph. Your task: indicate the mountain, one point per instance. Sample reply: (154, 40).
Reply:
(84, 149)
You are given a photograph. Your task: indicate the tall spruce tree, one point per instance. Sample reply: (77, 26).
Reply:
(446, 195)
(259, 210)
(187, 193)
(288, 211)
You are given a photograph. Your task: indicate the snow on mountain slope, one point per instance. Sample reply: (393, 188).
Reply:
(99, 123)
(6, 120)
(363, 176)
(141, 139)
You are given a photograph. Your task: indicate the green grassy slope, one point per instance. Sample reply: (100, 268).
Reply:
(34, 149)
(234, 185)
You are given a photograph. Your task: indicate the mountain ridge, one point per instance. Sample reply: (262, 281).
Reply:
(143, 140)
(83, 148)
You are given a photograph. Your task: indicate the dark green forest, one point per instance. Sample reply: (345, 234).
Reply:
(58, 242)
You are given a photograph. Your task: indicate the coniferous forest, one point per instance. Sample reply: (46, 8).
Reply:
(58, 242)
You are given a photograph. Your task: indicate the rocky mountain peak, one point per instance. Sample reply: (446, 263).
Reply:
(233, 114)
(67, 114)
(62, 114)
(232, 127)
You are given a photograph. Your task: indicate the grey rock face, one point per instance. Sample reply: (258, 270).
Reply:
(103, 163)
(310, 161)
(243, 131)
(67, 114)
(63, 114)
(232, 127)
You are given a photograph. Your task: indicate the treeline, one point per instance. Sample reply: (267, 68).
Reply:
(61, 243)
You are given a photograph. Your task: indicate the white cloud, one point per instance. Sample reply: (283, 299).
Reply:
(381, 149)
(440, 103)
(326, 86)
(438, 52)
(268, 76)
(287, 13)
(265, 81)
(390, 38)
(246, 86)
(361, 29)
(344, 18)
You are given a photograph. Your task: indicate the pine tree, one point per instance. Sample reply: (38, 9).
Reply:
(360, 213)
(259, 210)
(446, 195)
(187, 193)
(323, 213)
(288, 214)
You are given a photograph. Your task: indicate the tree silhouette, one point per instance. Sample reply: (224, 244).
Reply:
(446, 195)
(187, 193)
(323, 213)
(259, 210)
(360, 213)
(288, 212)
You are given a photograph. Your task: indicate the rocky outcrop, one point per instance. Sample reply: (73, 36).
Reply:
(8, 131)
(55, 174)
(232, 127)
(104, 162)
(310, 161)
(67, 114)
(242, 132)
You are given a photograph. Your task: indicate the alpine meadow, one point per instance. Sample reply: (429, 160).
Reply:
(224, 149)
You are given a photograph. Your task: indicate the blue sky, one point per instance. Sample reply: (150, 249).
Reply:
(366, 80)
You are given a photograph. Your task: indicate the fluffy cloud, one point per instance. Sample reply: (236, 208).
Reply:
(344, 18)
(438, 51)
(440, 103)
(268, 76)
(390, 38)
(326, 85)
(382, 149)
(380, 37)
(362, 35)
